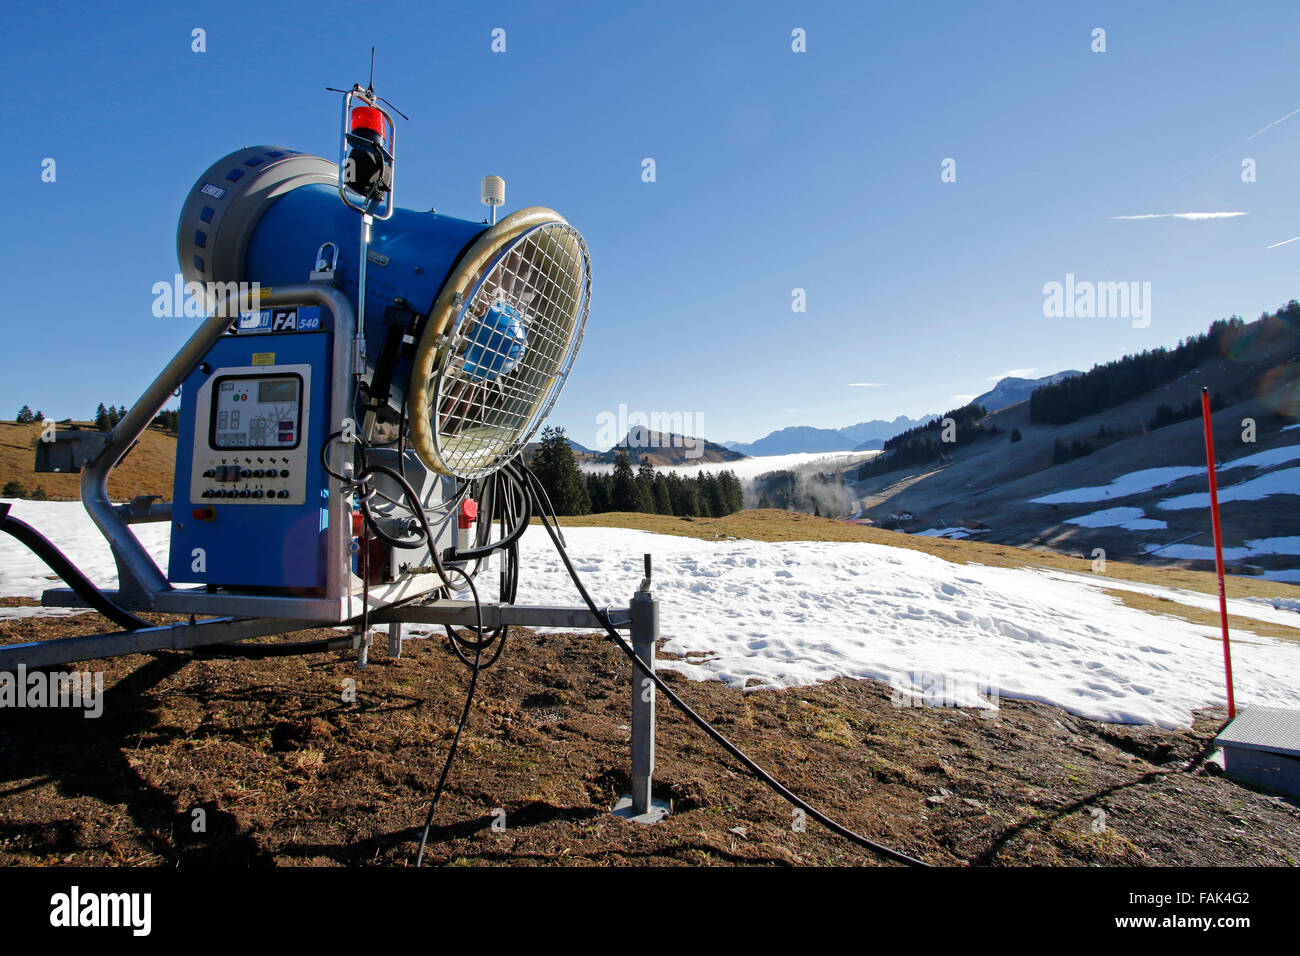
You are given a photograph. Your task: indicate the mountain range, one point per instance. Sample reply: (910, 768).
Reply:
(805, 438)
(871, 435)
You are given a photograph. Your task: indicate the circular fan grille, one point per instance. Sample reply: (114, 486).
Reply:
(509, 351)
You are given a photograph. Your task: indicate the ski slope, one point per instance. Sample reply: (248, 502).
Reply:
(768, 615)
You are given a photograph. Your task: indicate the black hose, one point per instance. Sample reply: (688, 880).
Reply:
(289, 649)
(84, 588)
(520, 527)
(58, 562)
(703, 724)
(460, 727)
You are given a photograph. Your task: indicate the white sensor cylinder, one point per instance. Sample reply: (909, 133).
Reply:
(494, 191)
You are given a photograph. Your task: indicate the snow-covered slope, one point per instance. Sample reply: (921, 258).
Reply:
(781, 615)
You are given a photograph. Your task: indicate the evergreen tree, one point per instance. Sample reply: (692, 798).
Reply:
(733, 492)
(25, 416)
(623, 493)
(598, 491)
(711, 493)
(663, 499)
(681, 494)
(556, 469)
(101, 419)
(645, 487)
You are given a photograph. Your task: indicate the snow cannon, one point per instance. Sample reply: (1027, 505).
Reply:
(463, 335)
(467, 330)
(353, 412)
(353, 407)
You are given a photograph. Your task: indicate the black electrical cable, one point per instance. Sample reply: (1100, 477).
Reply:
(521, 525)
(82, 586)
(324, 455)
(703, 724)
(290, 649)
(58, 562)
(460, 727)
(499, 505)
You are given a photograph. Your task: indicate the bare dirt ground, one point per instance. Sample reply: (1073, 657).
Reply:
(288, 773)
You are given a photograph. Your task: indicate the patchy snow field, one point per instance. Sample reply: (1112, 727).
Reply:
(778, 615)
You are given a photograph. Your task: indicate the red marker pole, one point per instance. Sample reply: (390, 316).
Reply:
(1218, 543)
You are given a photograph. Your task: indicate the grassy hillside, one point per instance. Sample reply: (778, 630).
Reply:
(993, 480)
(147, 469)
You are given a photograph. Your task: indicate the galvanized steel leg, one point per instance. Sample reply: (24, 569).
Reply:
(641, 805)
(645, 632)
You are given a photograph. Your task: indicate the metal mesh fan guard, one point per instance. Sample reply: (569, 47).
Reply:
(493, 387)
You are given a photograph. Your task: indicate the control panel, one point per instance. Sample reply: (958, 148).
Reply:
(251, 500)
(249, 440)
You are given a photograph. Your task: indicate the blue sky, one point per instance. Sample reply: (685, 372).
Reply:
(775, 170)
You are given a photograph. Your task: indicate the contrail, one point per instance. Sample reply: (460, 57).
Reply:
(1271, 125)
(1282, 243)
(1183, 215)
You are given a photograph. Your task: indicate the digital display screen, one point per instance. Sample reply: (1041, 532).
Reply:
(256, 412)
(277, 390)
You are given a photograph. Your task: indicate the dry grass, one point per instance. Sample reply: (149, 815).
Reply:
(147, 469)
(1196, 615)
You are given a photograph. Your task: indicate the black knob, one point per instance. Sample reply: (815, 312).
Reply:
(284, 472)
(257, 472)
(245, 473)
(257, 494)
(243, 492)
(209, 473)
(283, 494)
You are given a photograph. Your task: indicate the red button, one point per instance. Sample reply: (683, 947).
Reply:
(204, 514)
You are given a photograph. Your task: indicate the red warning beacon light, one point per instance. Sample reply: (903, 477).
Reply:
(368, 171)
(369, 119)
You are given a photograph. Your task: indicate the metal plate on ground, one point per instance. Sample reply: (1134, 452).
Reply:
(657, 812)
(1273, 729)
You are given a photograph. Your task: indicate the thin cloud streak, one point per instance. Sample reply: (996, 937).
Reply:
(1282, 243)
(1271, 125)
(1195, 216)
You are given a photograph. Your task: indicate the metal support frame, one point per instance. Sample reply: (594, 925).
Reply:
(142, 584)
(640, 805)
